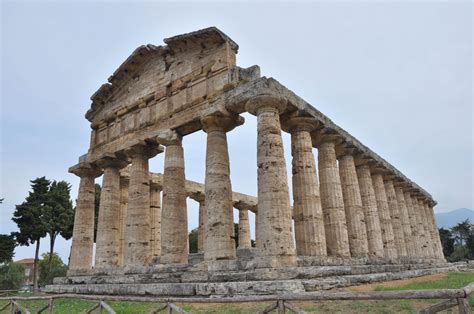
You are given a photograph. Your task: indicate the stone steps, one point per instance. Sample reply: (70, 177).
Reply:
(266, 285)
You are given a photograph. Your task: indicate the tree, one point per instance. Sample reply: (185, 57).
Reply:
(98, 190)
(447, 241)
(12, 275)
(470, 243)
(51, 266)
(58, 215)
(7, 247)
(28, 217)
(461, 232)
(193, 241)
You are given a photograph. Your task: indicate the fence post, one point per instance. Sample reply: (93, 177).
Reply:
(463, 306)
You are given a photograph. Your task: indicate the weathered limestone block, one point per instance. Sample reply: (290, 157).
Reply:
(83, 232)
(417, 241)
(408, 235)
(219, 235)
(307, 210)
(384, 215)
(244, 229)
(174, 215)
(155, 219)
(108, 226)
(275, 239)
(137, 251)
(369, 204)
(332, 202)
(353, 206)
(396, 218)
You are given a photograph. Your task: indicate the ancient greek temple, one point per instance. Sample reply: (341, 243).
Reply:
(353, 214)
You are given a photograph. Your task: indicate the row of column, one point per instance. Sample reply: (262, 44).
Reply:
(350, 211)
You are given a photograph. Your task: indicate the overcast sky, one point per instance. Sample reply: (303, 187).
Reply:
(396, 75)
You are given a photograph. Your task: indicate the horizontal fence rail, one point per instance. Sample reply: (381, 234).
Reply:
(280, 303)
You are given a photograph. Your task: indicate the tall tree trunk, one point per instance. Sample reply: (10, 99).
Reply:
(52, 239)
(35, 266)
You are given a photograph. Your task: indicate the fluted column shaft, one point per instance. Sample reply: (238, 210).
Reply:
(174, 214)
(421, 228)
(275, 238)
(388, 237)
(124, 184)
(219, 237)
(395, 215)
(308, 214)
(436, 239)
(83, 232)
(244, 229)
(431, 231)
(417, 241)
(332, 201)
(202, 224)
(409, 243)
(369, 204)
(353, 207)
(425, 224)
(108, 229)
(155, 219)
(138, 229)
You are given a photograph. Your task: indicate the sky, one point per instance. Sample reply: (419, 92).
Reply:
(396, 75)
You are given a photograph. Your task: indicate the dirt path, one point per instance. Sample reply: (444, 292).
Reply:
(397, 283)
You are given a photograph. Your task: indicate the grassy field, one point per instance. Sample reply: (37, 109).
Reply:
(449, 280)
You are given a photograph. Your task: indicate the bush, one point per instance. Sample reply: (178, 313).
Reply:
(460, 253)
(58, 269)
(12, 276)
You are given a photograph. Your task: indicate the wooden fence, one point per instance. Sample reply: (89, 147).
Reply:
(280, 303)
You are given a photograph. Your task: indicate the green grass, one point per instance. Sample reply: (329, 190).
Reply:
(450, 281)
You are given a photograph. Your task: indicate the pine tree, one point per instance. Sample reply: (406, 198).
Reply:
(28, 217)
(58, 216)
(7, 248)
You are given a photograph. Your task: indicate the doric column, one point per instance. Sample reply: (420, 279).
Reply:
(174, 214)
(332, 202)
(369, 204)
(396, 218)
(202, 223)
(83, 232)
(137, 251)
(219, 236)
(417, 242)
(431, 230)
(353, 207)
(275, 239)
(436, 239)
(384, 215)
(244, 229)
(405, 221)
(425, 224)
(307, 211)
(108, 228)
(155, 219)
(424, 233)
(124, 184)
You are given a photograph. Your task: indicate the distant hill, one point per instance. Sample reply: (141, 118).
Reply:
(449, 219)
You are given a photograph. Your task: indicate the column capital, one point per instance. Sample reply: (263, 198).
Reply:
(110, 160)
(221, 122)
(262, 102)
(85, 169)
(298, 124)
(143, 148)
(324, 136)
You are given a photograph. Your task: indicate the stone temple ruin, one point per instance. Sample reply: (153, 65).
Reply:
(362, 220)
